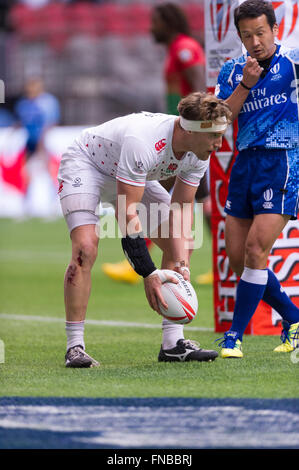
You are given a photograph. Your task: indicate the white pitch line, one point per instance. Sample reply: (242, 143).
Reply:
(11, 316)
(34, 256)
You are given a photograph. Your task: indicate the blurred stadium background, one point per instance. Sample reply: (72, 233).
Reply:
(97, 57)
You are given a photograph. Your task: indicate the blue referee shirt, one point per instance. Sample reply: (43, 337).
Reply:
(269, 116)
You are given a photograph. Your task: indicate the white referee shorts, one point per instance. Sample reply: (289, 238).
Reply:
(82, 187)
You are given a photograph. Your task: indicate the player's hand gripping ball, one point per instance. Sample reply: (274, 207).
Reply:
(181, 299)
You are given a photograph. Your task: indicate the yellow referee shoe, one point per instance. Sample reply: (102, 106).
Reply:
(121, 272)
(231, 346)
(289, 337)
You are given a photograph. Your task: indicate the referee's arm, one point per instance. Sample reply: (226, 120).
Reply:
(251, 75)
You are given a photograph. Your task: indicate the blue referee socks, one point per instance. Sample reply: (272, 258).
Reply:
(250, 291)
(256, 285)
(277, 298)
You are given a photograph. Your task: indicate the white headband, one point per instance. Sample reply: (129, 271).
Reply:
(204, 126)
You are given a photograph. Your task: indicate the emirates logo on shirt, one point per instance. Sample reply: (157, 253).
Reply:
(160, 145)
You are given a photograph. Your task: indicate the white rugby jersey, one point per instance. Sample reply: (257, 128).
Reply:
(138, 147)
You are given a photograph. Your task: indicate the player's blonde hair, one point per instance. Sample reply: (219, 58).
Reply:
(200, 106)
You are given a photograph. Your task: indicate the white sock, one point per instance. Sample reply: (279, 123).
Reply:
(171, 332)
(74, 333)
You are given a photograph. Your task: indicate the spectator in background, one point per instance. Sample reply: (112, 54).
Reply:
(184, 73)
(36, 111)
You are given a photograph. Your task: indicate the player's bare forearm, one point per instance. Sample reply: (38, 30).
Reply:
(128, 197)
(180, 225)
(178, 256)
(180, 222)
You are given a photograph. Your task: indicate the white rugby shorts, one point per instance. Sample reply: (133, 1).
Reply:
(82, 187)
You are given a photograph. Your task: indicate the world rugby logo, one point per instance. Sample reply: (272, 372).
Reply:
(268, 194)
(220, 17)
(275, 72)
(275, 69)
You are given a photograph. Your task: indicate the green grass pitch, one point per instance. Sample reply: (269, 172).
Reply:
(33, 258)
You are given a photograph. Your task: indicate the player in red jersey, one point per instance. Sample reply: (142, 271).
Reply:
(184, 68)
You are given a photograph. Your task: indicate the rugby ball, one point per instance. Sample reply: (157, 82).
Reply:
(181, 299)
